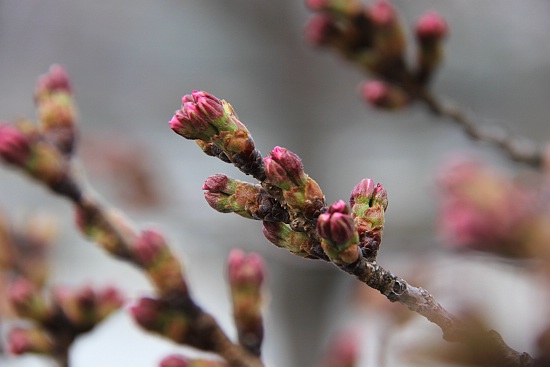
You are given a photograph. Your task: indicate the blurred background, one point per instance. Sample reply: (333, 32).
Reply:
(130, 63)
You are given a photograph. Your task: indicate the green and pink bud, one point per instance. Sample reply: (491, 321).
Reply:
(368, 204)
(151, 252)
(337, 7)
(27, 300)
(15, 146)
(321, 29)
(389, 38)
(29, 340)
(383, 95)
(340, 238)
(246, 277)
(157, 316)
(281, 235)
(431, 30)
(175, 361)
(245, 270)
(227, 195)
(284, 168)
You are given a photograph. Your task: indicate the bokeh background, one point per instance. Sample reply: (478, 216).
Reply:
(131, 61)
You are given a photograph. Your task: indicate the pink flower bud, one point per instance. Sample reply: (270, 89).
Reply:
(381, 94)
(146, 312)
(14, 144)
(382, 13)
(320, 29)
(19, 341)
(245, 269)
(284, 168)
(174, 361)
(217, 183)
(21, 291)
(148, 246)
(380, 197)
(431, 26)
(56, 79)
(210, 106)
(317, 5)
(336, 225)
(362, 192)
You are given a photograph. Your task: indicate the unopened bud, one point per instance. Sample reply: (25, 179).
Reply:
(320, 29)
(431, 26)
(174, 361)
(362, 192)
(27, 300)
(245, 269)
(14, 145)
(337, 229)
(284, 168)
(383, 95)
(26, 340)
(281, 235)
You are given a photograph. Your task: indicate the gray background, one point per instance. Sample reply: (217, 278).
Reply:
(131, 61)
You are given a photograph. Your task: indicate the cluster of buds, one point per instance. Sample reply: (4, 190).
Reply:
(57, 319)
(56, 109)
(368, 204)
(300, 192)
(372, 36)
(43, 151)
(216, 128)
(476, 211)
(246, 277)
(227, 195)
(340, 240)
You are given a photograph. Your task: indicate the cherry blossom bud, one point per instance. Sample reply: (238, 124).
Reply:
(383, 95)
(152, 253)
(210, 106)
(55, 80)
(157, 316)
(337, 229)
(26, 340)
(174, 361)
(388, 35)
(343, 351)
(362, 192)
(431, 26)
(320, 29)
(245, 269)
(27, 300)
(14, 145)
(382, 13)
(380, 197)
(284, 168)
(281, 235)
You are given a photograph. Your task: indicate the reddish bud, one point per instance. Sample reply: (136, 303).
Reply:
(14, 144)
(284, 168)
(148, 246)
(56, 79)
(431, 26)
(146, 312)
(210, 106)
(22, 341)
(382, 13)
(380, 197)
(336, 225)
(217, 183)
(317, 4)
(320, 29)
(381, 94)
(245, 269)
(362, 192)
(174, 361)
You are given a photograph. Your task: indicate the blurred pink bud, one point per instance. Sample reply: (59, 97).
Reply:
(317, 4)
(343, 351)
(382, 13)
(19, 341)
(336, 225)
(362, 192)
(21, 292)
(431, 26)
(174, 361)
(146, 312)
(381, 94)
(319, 29)
(245, 269)
(56, 79)
(14, 144)
(148, 246)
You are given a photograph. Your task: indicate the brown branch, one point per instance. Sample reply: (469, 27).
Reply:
(525, 152)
